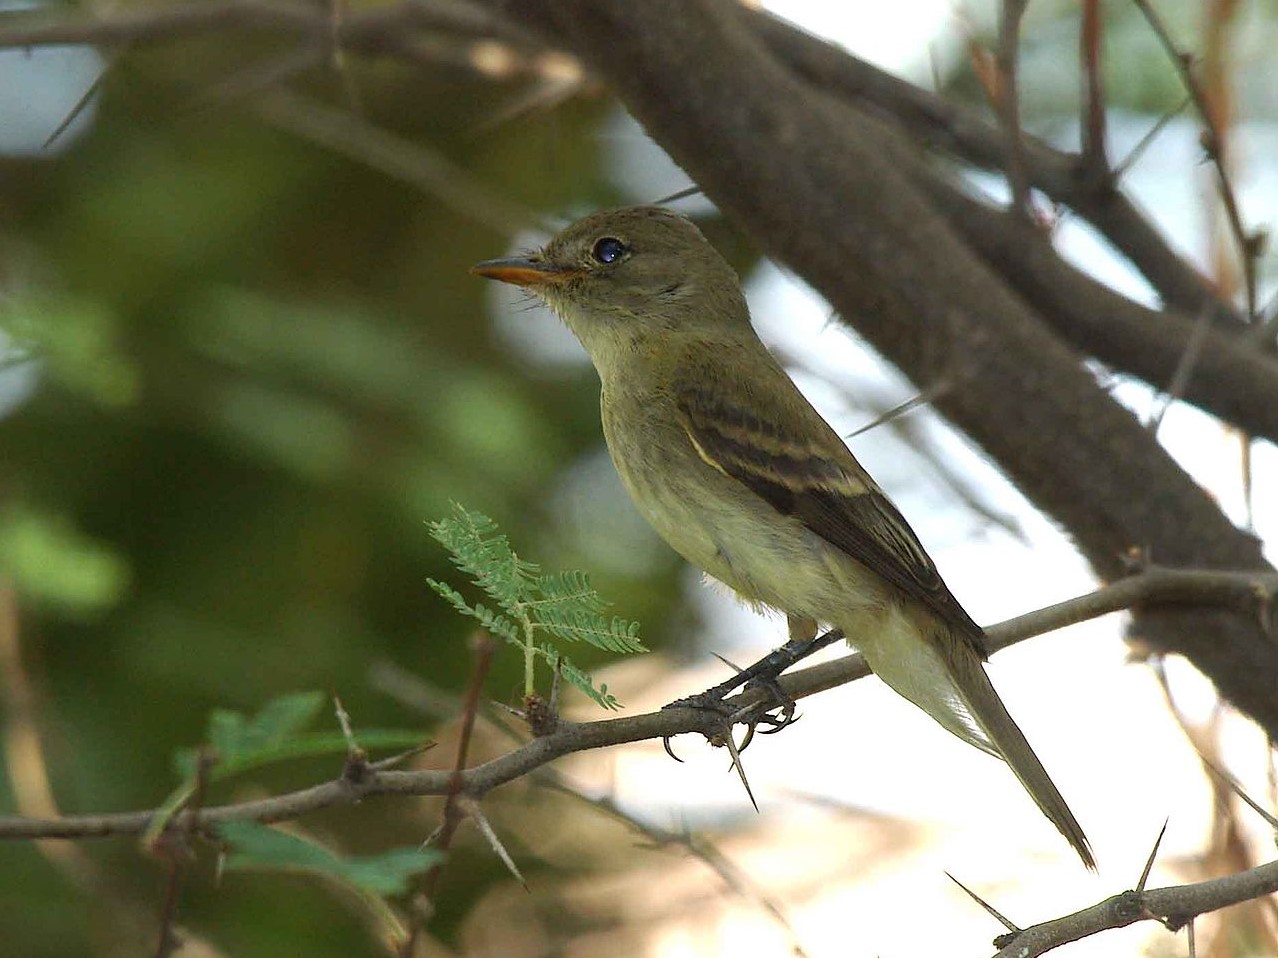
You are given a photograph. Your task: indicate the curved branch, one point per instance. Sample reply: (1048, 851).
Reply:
(1232, 379)
(1245, 591)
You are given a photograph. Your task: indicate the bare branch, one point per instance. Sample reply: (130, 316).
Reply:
(1089, 41)
(1232, 379)
(1174, 907)
(483, 647)
(1244, 591)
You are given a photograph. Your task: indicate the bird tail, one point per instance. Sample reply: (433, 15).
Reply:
(939, 668)
(987, 709)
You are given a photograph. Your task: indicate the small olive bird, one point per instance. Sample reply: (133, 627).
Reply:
(744, 479)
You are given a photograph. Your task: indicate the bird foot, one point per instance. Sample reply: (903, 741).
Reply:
(766, 717)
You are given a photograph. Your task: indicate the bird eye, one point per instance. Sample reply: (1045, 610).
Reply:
(609, 250)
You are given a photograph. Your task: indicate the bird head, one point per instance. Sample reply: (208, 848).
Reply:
(619, 277)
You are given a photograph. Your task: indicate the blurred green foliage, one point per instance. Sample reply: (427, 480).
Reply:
(240, 375)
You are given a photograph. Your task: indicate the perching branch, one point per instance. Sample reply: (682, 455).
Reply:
(1245, 593)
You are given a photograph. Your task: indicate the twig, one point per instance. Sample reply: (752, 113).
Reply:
(412, 691)
(1184, 369)
(174, 845)
(364, 29)
(424, 900)
(943, 125)
(1149, 137)
(394, 156)
(1095, 155)
(1213, 143)
(1008, 103)
(705, 852)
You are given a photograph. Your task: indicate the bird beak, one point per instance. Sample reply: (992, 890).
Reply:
(522, 271)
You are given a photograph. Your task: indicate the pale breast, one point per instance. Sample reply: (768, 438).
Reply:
(716, 523)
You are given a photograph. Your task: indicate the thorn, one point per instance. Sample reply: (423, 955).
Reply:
(736, 763)
(344, 721)
(430, 839)
(990, 909)
(1238, 790)
(79, 107)
(1153, 852)
(682, 194)
(665, 743)
(1189, 935)
(471, 807)
(509, 709)
(728, 662)
(382, 764)
(926, 397)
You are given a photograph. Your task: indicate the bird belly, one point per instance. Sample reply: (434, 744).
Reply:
(723, 528)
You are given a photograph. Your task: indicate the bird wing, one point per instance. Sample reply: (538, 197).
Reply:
(785, 453)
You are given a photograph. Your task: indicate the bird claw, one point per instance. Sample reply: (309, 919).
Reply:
(665, 743)
(766, 718)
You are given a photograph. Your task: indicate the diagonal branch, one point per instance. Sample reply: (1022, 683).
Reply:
(1231, 378)
(1248, 593)
(1174, 907)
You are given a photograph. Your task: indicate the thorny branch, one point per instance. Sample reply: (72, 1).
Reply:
(1173, 907)
(1251, 592)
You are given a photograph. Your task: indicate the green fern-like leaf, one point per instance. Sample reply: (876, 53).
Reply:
(571, 609)
(568, 589)
(484, 554)
(579, 679)
(495, 623)
(498, 624)
(563, 605)
(453, 597)
(581, 625)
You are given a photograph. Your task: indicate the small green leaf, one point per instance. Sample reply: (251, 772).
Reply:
(257, 846)
(239, 740)
(282, 717)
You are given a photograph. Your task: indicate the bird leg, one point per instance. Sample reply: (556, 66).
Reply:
(765, 673)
